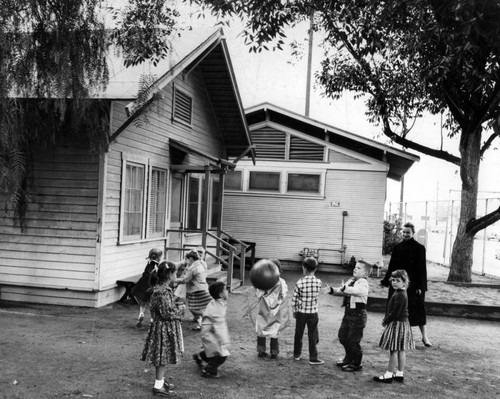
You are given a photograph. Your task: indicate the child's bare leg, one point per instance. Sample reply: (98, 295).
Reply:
(401, 361)
(142, 309)
(393, 361)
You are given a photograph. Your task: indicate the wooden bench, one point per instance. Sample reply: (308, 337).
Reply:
(128, 283)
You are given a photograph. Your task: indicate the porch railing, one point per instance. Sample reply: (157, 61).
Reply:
(226, 250)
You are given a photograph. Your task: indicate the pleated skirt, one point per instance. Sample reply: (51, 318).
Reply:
(198, 300)
(397, 336)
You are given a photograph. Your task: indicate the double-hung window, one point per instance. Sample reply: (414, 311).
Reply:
(143, 201)
(133, 201)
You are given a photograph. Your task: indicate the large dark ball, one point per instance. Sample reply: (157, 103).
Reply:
(264, 275)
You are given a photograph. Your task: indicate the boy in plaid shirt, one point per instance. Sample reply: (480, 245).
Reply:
(305, 311)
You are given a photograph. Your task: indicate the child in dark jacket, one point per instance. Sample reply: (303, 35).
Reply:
(397, 336)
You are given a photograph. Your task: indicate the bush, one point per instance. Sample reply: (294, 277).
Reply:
(392, 235)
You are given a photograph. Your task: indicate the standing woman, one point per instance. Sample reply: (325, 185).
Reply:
(195, 278)
(409, 255)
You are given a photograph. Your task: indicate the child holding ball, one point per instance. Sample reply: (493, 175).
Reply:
(270, 315)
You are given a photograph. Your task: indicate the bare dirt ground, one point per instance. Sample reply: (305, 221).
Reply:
(66, 352)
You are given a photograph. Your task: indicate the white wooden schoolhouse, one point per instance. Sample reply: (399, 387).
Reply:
(314, 190)
(93, 217)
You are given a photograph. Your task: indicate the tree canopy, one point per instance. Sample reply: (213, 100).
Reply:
(407, 59)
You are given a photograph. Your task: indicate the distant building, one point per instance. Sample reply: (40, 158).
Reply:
(314, 189)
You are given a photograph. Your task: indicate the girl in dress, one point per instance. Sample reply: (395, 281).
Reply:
(164, 343)
(195, 278)
(397, 336)
(142, 290)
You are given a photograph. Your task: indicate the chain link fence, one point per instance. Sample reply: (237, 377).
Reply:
(436, 226)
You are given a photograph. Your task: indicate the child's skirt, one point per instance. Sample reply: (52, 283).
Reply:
(198, 300)
(397, 336)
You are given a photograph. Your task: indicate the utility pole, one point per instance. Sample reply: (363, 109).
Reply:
(309, 62)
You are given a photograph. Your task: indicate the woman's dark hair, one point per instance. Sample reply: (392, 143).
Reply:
(216, 289)
(410, 226)
(193, 255)
(165, 271)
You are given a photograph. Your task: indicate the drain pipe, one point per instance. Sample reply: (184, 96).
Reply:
(344, 214)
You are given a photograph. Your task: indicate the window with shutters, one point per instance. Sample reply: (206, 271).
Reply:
(182, 107)
(157, 202)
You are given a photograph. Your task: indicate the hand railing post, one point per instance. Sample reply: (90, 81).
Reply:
(230, 265)
(242, 262)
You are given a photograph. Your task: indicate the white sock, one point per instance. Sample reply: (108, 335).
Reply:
(159, 383)
(399, 373)
(388, 374)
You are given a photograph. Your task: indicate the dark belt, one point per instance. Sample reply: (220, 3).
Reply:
(359, 306)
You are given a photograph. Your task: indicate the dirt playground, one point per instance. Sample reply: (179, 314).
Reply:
(65, 352)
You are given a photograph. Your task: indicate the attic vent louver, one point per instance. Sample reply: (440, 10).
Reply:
(269, 143)
(183, 105)
(304, 150)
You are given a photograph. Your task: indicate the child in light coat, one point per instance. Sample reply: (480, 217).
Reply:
(214, 332)
(270, 316)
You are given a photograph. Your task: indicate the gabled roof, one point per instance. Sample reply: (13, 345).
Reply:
(192, 50)
(399, 161)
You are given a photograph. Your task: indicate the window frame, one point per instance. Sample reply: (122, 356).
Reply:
(149, 233)
(140, 162)
(148, 167)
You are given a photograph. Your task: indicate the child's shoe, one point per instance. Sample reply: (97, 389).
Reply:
(316, 361)
(262, 354)
(399, 377)
(139, 321)
(209, 375)
(161, 391)
(386, 378)
(197, 359)
(352, 367)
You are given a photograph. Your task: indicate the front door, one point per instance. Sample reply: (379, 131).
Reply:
(175, 239)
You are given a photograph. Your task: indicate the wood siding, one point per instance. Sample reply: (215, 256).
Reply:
(56, 249)
(149, 141)
(283, 226)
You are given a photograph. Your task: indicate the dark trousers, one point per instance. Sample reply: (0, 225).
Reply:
(261, 345)
(301, 321)
(213, 363)
(351, 333)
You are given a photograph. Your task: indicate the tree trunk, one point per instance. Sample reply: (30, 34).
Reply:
(462, 254)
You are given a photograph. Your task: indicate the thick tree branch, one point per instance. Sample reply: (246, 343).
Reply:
(446, 156)
(476, 225)
(493, 136)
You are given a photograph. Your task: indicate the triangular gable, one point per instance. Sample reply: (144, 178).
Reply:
(369, 151)
(339, 157)
(273, 141)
